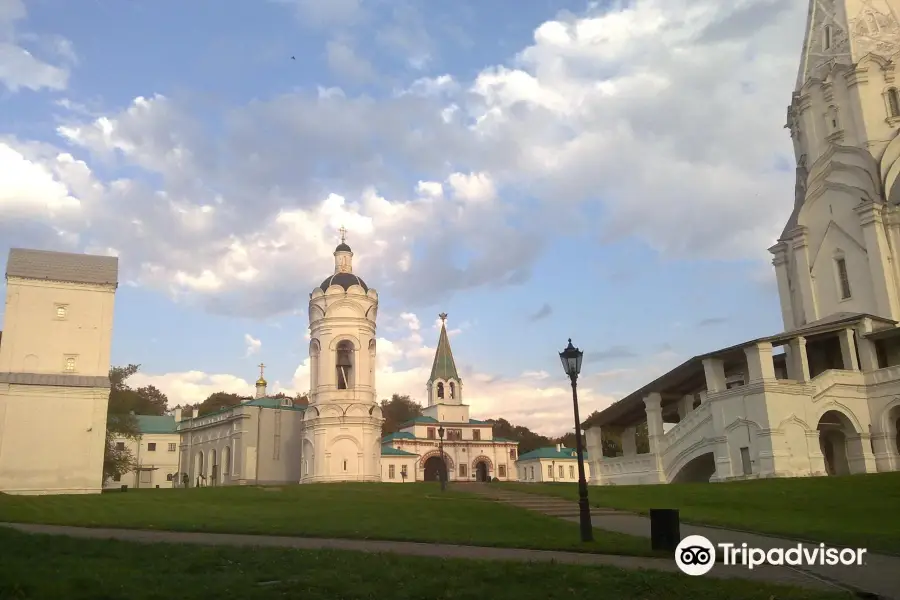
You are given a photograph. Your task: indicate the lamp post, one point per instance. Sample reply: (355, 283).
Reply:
(571, 361)
(443, 473)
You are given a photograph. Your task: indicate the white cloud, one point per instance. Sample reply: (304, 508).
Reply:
(253, 344)
(19, 67)
(192, 387)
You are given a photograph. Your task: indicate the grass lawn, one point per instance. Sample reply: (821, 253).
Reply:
(857, 510)
(53, 567)
(409, 512)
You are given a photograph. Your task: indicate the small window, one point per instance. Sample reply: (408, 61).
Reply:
(893, 103)
(827, 36)
(512, 453)
(117, 477)
(120, 445)
(501, 471)
(843, 278)
(532, 472)
(571, 472)
(391, 471)
(476, 434)
(440, 390)
(171, 447)
(550, 471)
(61, 311)
(403, 471)
(70, 364)
(462, 470)
(562, 474)
(431, 433)
(345, 465)
(170, 477)
(151, 447)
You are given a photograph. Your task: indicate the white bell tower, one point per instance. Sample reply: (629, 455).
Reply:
(342, 426)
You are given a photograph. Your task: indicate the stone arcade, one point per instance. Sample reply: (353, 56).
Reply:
(830, 403)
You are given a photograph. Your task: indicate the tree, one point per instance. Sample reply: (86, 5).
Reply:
(217, 401)
(397, 411)
(120, 422)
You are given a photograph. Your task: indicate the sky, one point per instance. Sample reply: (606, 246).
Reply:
(612, 172)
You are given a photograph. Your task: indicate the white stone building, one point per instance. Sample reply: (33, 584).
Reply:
(471, 452)
(54, 371)
(830, 402)
(155, 453)
(551, 465)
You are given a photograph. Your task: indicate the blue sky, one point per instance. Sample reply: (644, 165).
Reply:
(605, 172)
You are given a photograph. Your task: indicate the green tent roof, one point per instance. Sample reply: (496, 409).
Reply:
(552, 453)
(444, 366)
(155, 424)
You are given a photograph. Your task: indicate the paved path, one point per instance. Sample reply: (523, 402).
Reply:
(879, 576)
(781, 576)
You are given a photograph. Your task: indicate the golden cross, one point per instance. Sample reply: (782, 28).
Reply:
(261, 367)
(343, 234)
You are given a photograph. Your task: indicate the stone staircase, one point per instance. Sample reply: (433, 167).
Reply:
(554, 507)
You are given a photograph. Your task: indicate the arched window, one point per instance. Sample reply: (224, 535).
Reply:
(440, 391)
(893, 99)
(313, 364)
(452, 390)
(344, 365)
(832, 119)
(826, 37)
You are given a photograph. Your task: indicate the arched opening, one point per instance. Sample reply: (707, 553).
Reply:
(198, 469)
(481, 471)
(344, 365)
(834, 430)
(226, 465)
(440, 390)
(893, 99)
(213, 467)
(372, 357)
(452, 390)
(697, 470)
(893, 428)
(434, 468)
(313, 364)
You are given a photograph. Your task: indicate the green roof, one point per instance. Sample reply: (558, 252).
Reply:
(444, 367)
(268, 402)
(552, 453)
(155, 424)
(398, 435)
(420, 419)
(477, 422)
(500, 439)
(390, 451)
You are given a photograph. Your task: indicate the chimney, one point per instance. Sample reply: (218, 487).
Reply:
(559, 447)
(178, 414)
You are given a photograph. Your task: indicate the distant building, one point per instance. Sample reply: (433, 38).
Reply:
(155, 453)
(551, 465)
(54, 371)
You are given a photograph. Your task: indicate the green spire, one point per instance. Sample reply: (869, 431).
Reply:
(444, 367)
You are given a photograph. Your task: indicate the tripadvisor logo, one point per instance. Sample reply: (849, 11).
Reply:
(696, 555)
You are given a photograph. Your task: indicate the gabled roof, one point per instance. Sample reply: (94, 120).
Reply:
(444, 366)
(398, 435)
(552, 453)
(62, 266)
(390, 451)
(419, 420)
(155, 424)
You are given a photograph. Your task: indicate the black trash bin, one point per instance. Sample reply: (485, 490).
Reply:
(124, 488)
(665, 529)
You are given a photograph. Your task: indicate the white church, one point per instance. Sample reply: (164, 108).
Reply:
(829, 402)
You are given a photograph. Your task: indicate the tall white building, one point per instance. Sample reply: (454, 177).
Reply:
(54, 371)
(830, 403)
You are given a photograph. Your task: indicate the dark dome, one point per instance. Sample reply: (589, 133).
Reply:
(342, 247)
(345, 280)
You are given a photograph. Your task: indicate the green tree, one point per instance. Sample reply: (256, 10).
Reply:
(217, 401)
(120, 422)
(397, 411)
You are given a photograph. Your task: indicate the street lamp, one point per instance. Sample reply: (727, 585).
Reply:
(443, 473)
(571, 361)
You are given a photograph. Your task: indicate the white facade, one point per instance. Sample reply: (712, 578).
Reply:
(830, 403)
(54, 371)
(551, 465)
(156, 455)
